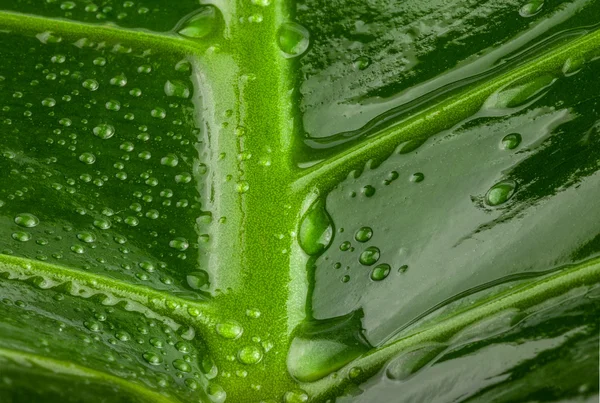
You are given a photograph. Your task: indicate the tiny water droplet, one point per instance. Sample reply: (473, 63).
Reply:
(293, 39)
(500, 193)
(26, 220)
(511, 141)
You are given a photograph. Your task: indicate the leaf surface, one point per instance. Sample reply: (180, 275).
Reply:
(277, 201)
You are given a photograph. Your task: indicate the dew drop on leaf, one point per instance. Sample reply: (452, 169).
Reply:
(250, 355)
(293, 39)
(316, 229)
(26, 220)
(511, 141)
(500, 193)
(369, 256)
(201, 24)
(229, 330)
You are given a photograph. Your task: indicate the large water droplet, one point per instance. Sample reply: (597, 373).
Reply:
(250, 355)
(380, 272)
(293, 39)
(104, 131)
(511, 141)
(363, 234)
(152, 358)
(229, 330)
(370, 256)
(26, 220)
(316, 229)
(201, 24)
(177, 88)
(520, 92)
(180, 244)
(322, 347)
(182, 366)
(500, 193)
(410, 362)
(198, 280)
(532, 8)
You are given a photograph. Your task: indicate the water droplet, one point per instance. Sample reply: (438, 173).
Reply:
(119, 80)
(368, 191)
(183, 178)
(520, 92)
(180, 244)
(500, 193)
(253, 313)
(156, 342)
(78, 249)
(295, 396)
(293, 39)
(21, 236)
(250, 355)
(48, 37)
(122, 335)
(361, 63)
(86, 237)
(532, 8)
(177, 88)
(100, 61)
(87, 158)
(316, 229)
(370, 256)
(344, 246)
(90, 84)
(242, 187)
(229, 330)
(26, 220)
(417, 177)
(198, 280)
(152, 358)
(573, 65)
(200, 24)
(380, 272)
(170, 160)
(363, 234)
(511, 141)
(409, 362)
(262, 3)
(93, 325)
(322, 347)
(158, 113)
(113, 105)
(182, 366)
(131, 221)
(49, 102)
(104, 131)
(102, 223)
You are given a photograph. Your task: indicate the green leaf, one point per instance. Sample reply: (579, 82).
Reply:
(272, 201)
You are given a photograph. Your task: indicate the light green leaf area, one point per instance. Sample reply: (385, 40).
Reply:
(277, 201)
